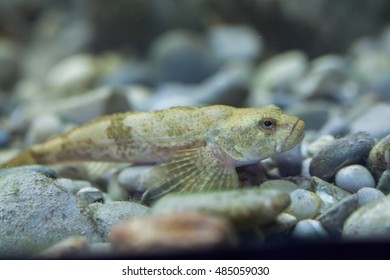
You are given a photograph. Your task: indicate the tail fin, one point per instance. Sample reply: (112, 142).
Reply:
(23, 158)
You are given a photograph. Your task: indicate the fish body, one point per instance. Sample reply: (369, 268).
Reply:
(192, 148)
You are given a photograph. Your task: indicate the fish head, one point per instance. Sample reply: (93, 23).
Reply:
(252, 134)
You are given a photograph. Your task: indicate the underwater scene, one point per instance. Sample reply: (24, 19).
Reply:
(194, 129)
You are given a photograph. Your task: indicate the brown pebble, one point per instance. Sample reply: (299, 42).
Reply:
(171, 233)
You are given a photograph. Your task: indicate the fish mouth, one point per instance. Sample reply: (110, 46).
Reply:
(294, 138)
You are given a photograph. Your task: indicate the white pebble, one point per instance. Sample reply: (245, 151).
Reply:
(354, 177)
(309, 230)
(304, 204)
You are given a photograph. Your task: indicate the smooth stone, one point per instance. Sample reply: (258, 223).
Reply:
(132, 178)
(281, 224)
(289, 163)
(368, 195)
(351, 149)
(334, 218)
(173, 232)
(384, 182)
(374, 121)
(115, 213)
(379, 157)
(179, 56)
(68, 185)
(325, 78)
(90, 195)
(304, 204)
(308, 231)
(221, 37)
(370, 222)
(5, 138)
(354, 177)
(306, 168)
(75, 72)
(329, 193)
(336, 126)
(278, 73)
(319, 144)
(37, 214)
(67, 248)
(138, 97)
(372, 66)
(245, 208)
(42, 128)
(281, 185)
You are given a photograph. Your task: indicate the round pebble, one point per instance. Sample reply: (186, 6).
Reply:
(309, 230)
(304, 204)
(342, 152)
(281, 185)
(68, 185)
(354, 177)
(368, 195)
(90, 195)
(319, 144)
(131, 178)
(290, 162)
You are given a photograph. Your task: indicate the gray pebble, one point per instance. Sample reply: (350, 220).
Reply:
(384, 182)
(44, 170)
(132, 177)
(336, 126)
(379, 157)
(350, 149)
(290, 163)
(309, 230)
(90, 195)
(371, 221)
(368, 195)
(114, 213)
(37, 214)
(304, 204)
(354, 177)
(374, 121)
(221, 37)
(334, 218)
(319, 144)
(68, 185)
(4, 138)
(281, 185)
(42, 128)
(330, 194)
(245, 208)
(281, 224)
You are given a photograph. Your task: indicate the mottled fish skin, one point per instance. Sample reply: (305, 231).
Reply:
(193, 148)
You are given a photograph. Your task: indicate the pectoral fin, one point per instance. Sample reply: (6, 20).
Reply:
(192, 170)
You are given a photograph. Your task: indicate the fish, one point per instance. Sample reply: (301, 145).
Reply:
(192, 149)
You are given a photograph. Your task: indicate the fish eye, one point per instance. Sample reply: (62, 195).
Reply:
(267, 123)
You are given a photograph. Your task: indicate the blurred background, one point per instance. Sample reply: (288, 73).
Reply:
(64, 62)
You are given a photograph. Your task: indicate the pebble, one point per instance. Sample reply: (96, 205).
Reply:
(42, 128)
(330, 194)
(353, 148)
(281, 185)
(280, 71)
(384, 182)
(4, 138)
(44, 170)
(281, 224)
(183, 57)
(354, 177)
(37, 214)
(115, 213)
(379, 157)
(306, 168)
(132, 178)
(336, 126)
(368, 195)
(245, 208)
(174, 232)
(304, 204)
(374, 121)
(73, 73)
(309, 230)
(68, 185)
(371, 222)
(220, 38)
(319, 144)
(314, 113)
(67, 248)
(290, 163)
(90, 195)
(334, 218)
